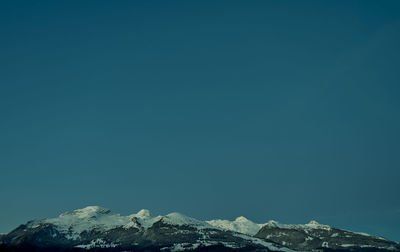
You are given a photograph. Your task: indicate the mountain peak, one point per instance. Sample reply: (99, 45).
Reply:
(272, 223)
(181, 220)
(241, 225)
(313, 222)
(88, 212)
(241, 219)
(144, 214)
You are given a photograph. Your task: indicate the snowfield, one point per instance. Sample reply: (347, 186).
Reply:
(95, 217)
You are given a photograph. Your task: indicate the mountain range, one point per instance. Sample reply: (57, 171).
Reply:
(95, 228)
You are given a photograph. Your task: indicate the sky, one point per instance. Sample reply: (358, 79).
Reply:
(284, 110)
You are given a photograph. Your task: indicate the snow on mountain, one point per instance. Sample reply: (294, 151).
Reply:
(97, 227)
(311, 225)
(94, 217)
(180, 219)
(144, 218)
(313, 235)
(243, 225)
(269, 245)
(240, 224)
(72, 224)
(143, 214)
(315, 225)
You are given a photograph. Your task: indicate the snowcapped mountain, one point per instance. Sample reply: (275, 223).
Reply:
(314, 235)
(240, 224)
(96, 229)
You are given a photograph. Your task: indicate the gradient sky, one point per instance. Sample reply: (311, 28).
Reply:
(285, 110)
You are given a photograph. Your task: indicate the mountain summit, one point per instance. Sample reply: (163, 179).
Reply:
(95, 228)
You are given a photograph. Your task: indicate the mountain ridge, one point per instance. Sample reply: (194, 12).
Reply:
(98, 228)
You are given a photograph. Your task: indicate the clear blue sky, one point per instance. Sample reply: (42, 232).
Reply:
(285, 110)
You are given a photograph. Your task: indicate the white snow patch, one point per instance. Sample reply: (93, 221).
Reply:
(98, 243)
(364, 234)
(182, 220)
(311, 225)
(188, 246)
(269, 245)
(315, 225)
(240, 224)
(72, 224)
(182, 247)
(347, 245)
